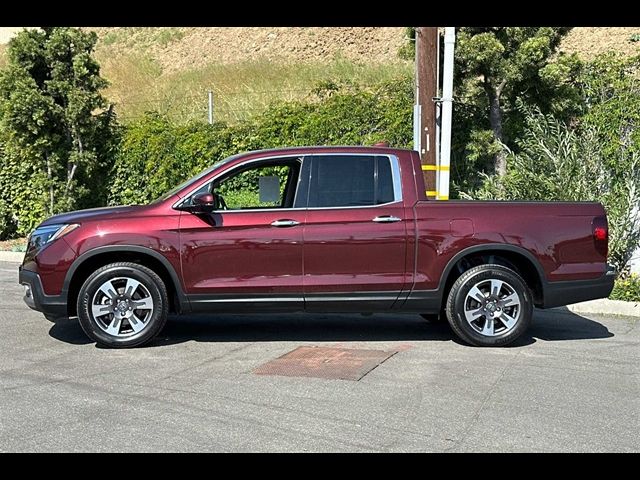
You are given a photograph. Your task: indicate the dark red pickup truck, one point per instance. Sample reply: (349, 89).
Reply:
(320, 229)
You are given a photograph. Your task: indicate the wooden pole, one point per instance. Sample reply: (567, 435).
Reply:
(426, 90)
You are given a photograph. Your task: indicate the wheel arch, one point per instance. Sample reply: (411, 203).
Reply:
(511, 256)
(95, 258)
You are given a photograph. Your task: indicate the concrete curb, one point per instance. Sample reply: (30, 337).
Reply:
(604, 306)
(14, 257)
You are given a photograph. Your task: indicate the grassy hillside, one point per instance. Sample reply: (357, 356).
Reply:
(240, 89)
(179, 49)
(171, 69)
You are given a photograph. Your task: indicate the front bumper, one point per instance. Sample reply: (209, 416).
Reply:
(53, 306)
(557, 294)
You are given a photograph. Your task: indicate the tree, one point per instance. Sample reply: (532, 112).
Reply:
(501, 62)
(55, 125)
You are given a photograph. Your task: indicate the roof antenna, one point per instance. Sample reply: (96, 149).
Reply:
(381, 144)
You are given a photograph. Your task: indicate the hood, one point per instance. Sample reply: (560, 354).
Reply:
(79, 216)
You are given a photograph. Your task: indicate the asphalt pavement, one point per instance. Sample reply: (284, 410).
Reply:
(571, 384)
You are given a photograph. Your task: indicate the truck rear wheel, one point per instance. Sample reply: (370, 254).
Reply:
(123, 305)
(489, 306)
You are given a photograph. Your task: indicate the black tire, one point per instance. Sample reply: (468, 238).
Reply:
(457, 299)
(152, 325)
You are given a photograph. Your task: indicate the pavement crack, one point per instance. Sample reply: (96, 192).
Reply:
(476, 415)
(205, 362)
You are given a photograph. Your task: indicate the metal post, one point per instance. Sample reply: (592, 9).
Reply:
(438, 106)
(447, 111)
(210, 107)
(416, 126)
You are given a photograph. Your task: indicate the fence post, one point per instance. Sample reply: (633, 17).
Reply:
(210, 107)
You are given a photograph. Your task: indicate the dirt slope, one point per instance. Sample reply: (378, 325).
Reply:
(591, 41)
(186, 48)
(178, 49)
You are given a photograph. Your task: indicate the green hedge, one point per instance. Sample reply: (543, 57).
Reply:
(155, 155)
(627, 289)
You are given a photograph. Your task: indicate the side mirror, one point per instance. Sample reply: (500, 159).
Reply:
(203, 203)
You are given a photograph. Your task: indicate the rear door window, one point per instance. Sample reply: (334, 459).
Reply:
(350, 181)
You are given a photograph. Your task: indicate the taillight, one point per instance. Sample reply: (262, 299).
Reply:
(601, 235)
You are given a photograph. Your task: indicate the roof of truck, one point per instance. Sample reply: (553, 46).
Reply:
(327, 149)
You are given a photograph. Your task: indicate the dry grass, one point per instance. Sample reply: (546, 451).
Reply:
(181, 49)
(241, 89)
(171, 69)
(588, 42)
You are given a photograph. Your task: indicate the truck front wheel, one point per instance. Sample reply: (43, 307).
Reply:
(123, 305)
(489, 306)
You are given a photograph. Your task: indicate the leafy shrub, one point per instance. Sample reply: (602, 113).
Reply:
(610, 87)
(23, 196)
(408, 49)
(627, 289)
(7, 223)
(155, 155)
(593, 157)
(558, 163)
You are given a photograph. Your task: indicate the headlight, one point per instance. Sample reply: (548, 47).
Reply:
(47, 234)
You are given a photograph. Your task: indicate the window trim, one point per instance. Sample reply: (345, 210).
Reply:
(178, 203)
(395, 178)
(395, 175)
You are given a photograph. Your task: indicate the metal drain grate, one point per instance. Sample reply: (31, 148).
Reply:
(325, 362)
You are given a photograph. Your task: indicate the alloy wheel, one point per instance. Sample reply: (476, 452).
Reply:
(122, 307)
(492, 307)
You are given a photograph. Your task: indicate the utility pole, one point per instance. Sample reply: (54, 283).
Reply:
(425, 112)
(210, 107)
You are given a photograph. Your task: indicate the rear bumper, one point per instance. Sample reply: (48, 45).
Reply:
(557, 294)
(53, 306)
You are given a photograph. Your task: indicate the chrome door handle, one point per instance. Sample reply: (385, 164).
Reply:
(284, 223)
(386, 219)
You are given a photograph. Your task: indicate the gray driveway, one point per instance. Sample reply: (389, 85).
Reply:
(572, 384)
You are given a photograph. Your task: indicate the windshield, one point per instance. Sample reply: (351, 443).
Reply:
(194, 180)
